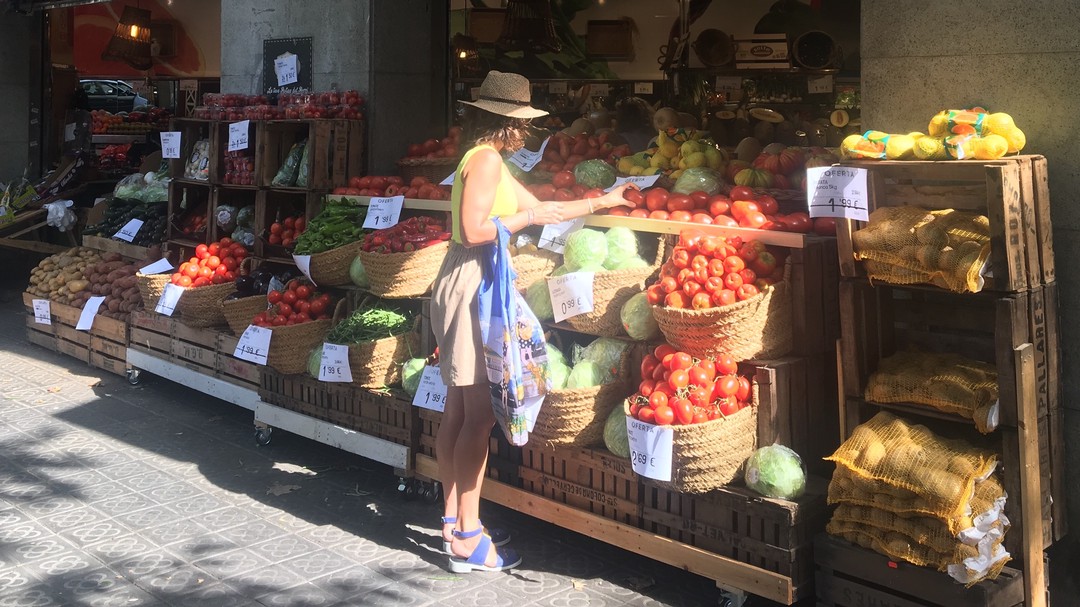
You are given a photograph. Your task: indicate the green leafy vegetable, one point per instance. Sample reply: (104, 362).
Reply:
(637, 318)
(411, 372)
(615, 438)
(776, 471)
(539, 299)
(622, 245)
(369, 324)
(585, 248)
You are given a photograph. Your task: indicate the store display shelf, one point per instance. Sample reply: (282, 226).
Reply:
(364, 445)
(108, 245)
(230, 392)
(115, 139)
(790, 240)
(237, 186)
(186, 181)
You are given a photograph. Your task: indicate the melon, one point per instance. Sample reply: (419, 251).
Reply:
(748, 149)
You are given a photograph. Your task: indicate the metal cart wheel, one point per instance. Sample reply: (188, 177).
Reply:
(263, 436)
(432, 492)
(133, 376)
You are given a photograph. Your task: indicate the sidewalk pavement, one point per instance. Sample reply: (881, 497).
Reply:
(119, 495)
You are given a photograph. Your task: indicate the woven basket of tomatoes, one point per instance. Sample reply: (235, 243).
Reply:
(208, 278)
(727, 296)
(711, 410)
(402, 261)
(300, 317)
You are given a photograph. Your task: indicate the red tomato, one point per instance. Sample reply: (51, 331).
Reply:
(679, 202)
(317, 307)
(646, 387)
(660, 375)
(680, 258)
(733, 263)
(681, 216)
(647, 415)
(716, 267)
(669, 285)
(616, 212)
(545, 191)
(639, 213)
(285, 309)
(681, 360)
(648, 365)
(202, 251)
(654, 295)
(702, 218)
(700, 396)
(700, 417)
(664, 416)
(280, 320)
(767, 204)
(662, 351)
(753, 219)
(656, 199)
(691, 288)
(740, 208)
(728, 406)
(659, 215)
(719, 205)
(713, 284)
(563, 179)
(658, 399)
(201, 281)
(723, 297)
(699, 261)
(701, 275)
(701, 376)
(741, 192)
(726, 365)
(634, 196)
(676, 299)
(733, 281)
(192, 271)
(825, 226)
(743, 395)
(679, 378)
(726, 385)
(701, 301)
(684, 275)
(289, 297)
(303, 292)
(684, 411)
(799, 222)
(746, 292)
(724, 221)
(748, 276)
(700, 199)
(220, 270)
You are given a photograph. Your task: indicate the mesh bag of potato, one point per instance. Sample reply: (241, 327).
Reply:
(941, 472)
(910, 245)
(946, 382)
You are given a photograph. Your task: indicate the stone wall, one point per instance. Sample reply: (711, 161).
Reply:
(15, 49)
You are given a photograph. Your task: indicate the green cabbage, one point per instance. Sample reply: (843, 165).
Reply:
(622, 244)
(558, 370)
(585, 248)
(559, 271)
(410, 375)
(357, 273)
(615, 438)
(698, 179)
(776, 471)
(539, 299)
(595, 173)
(314, 361)
(637, 318)
(585, 374)
(605, 353)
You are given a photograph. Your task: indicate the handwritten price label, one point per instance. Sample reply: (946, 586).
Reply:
(557, 88)
(129, 230)
(643, 88)
(335, 364)
(170, 144)
(89, 313)
(837, 192)
(170, 297)
(553, 236)
(383, 212)
(303, 263)
(526, 159)
(820, 84)
(431, 394)
(650, 449)
(159, 266)
(42, 312)
(285, 69)
(238, 135)
(254, 345)
(449, 179)
(571, 294)
(642, 181)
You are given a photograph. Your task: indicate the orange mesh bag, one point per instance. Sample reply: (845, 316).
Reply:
(910, 245)
(946, 382)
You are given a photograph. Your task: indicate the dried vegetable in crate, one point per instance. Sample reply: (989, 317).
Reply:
(913, 496)
(909, 245)
(946, 382)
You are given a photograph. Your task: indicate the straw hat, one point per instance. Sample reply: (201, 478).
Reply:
(506, 94)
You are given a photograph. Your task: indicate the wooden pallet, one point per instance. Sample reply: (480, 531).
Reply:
(206, 351)
(775, 535)
(104, 346)
(1012, 192)
(852, 576)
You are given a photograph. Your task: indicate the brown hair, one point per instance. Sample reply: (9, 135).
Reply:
(486, 128)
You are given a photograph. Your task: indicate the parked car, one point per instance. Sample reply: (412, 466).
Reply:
(112, 95)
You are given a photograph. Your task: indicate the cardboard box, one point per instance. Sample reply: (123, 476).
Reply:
(762, 51)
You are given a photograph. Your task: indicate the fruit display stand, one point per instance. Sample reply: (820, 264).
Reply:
(1011, 325)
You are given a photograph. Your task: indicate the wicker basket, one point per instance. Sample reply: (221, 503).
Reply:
(291, 345)
(200, 307)
(756, 328)
(400, 275)
(531, 267)
(239, 312)
(709, 455)
(577, 417)
(434, 169)
(331, 268)
(377, 364)
(151, 286)
(610, 291)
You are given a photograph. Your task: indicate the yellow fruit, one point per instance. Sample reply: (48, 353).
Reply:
(636, 170)
(990, 147)
(939, 125)
(848, 144)
(999, 123)
(661, 138)
(916, 134)
(697, 159)
(624, 164)
(512, 249)
(668, 149)
(960, 148)
(688, 148)
(930, 148)
(652, 171)
(660, 161)
(900, 147)
(529, 248)
(676, 174)
(1017, 140)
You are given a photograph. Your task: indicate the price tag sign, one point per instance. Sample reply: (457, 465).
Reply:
(599, 90)
(553, 236)
(642, 181)
(42, 312)
(650, 449)
(89, 312)
(69, 131)
(837, 192)
(335, 364)
(819, 84)
(383, 212)
(643, 88)
(557, 88)
(238, 135)
(129, 230)
(449, 179)
(571, 294)
(254, 345)
(432, 391)
(303, 262)
(285, 69)
(728, 85)
(159, 266)
(166, 304)
(170, 144)
(527, 159)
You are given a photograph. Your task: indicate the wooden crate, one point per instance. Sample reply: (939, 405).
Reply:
(814, 282)
(775, 535)
(504, 459)
(104, 346)
(232, 369)
(230, 195)
(852, 576)
(1012, 192)
(335, 151)
(125, 249)
(203, 350)
(592, 480)
(185, 198)
(382, 415)
(272, 205)
(191, 131)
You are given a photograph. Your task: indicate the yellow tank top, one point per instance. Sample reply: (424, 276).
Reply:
(505, 198)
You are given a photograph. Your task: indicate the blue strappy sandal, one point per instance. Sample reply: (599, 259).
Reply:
(499, 537)
(505, 558)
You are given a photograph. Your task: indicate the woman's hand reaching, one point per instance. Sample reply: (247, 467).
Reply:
(614, 198)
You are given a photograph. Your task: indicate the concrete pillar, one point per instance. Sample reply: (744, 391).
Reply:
(16, 46)
(923, 56)
(392, 52)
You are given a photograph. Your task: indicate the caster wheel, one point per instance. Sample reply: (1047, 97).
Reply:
(133, 376)
(726, 602)
(263, 435)
(412, 491)
(402, 485)
(432, 493)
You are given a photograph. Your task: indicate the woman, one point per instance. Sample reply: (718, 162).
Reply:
(633, 122)
(483, 189)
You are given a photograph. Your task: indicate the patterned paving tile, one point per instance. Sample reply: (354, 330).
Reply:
(151, 481)
(146, 518)
(304, 595)
(353, 581)
(198, 506)
(482, 596)
(94, 532)
(155, 562)
(224, 518)
(23, 531)
(72, 518)
(175, 582)
(230, 564)
(126, 469)
(36, 596)
(124, 504)
(187, 538)
(318, 563)
(120, 548)
(265, 581)
(253, 532)
(213, 595)
(283, 547)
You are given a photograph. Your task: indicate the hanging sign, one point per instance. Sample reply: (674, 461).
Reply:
(334, 366)
(238, 135)
(254, 345)
(89, 313)
(170, 144)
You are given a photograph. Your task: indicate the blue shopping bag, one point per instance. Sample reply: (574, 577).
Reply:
(514, 348)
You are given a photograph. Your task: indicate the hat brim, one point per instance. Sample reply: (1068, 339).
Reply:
(507, 109)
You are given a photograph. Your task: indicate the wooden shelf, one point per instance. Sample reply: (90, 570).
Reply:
(415, 204)
(791, 240)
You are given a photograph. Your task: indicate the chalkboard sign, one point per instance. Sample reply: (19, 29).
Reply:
(279, 48)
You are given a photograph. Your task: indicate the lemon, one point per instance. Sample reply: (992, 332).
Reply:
(697, 159)
(668, 149)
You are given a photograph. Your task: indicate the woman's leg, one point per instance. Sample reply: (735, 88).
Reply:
(449, 431)
(470, 463)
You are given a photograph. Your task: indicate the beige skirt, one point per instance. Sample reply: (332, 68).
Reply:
(455, 316)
